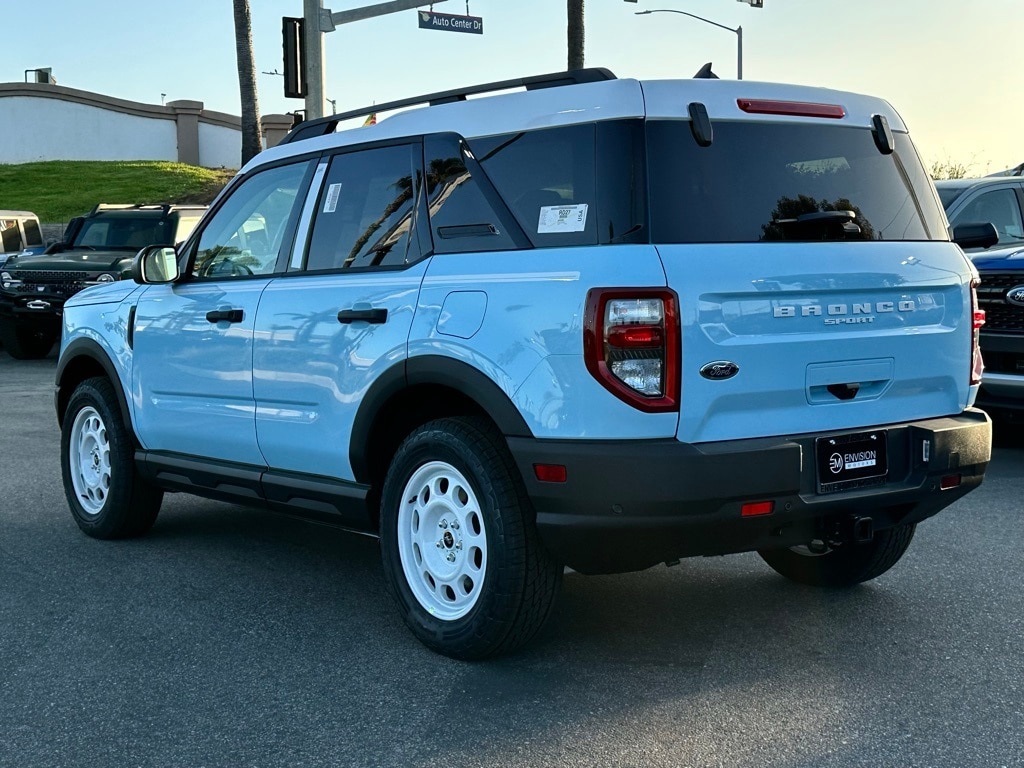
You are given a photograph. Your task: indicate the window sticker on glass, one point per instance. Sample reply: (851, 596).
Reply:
(331, 200)
(562, 218)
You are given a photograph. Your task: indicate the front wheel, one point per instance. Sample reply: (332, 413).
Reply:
(459, 544)
(25, 342)
(107, 496)
(820, 565)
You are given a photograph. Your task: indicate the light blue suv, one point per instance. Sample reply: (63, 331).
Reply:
(596, 323)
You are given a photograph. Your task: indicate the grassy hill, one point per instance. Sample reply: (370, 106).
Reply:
(57, 190)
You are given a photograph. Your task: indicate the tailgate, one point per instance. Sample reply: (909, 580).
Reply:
(826, 336)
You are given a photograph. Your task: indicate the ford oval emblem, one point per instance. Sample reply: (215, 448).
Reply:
(1016, 295)
(719, 370)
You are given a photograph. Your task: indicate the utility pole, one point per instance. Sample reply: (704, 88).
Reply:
(319, 20)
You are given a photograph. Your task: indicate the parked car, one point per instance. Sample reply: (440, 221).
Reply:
(999, 200)
(98, 248)
(20, 233)
(600, 323)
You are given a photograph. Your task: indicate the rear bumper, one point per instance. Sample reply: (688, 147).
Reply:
(627, 505)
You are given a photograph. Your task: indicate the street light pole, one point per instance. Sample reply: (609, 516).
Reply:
(738, 31)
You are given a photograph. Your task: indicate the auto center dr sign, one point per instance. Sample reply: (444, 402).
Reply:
(447, 22)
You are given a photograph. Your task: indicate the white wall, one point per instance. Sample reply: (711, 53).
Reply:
(219, 146)
(34, 129)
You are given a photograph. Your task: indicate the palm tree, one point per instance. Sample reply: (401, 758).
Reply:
(252, 141)
(574, 8)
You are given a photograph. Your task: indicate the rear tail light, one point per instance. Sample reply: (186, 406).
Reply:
(757, 508)
(977, 320)
(631, 345)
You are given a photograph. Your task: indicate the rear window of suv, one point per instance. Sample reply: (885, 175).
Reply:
(786, 181)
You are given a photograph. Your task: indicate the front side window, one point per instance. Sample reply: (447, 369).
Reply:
(999, 207)
(246, 234)
(781, 181)
(366, 212)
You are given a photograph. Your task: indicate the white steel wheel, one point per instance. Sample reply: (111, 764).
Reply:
(90, 461)
(442, 542)
(459, 542)
(108, 497)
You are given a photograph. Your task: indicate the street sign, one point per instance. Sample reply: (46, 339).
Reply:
(448, 22)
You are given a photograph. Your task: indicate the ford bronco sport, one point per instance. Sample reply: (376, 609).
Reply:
(98, 248)
(599, 323)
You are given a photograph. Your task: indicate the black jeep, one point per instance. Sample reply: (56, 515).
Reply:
(97, 248)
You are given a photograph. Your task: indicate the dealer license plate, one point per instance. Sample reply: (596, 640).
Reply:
(851, 461)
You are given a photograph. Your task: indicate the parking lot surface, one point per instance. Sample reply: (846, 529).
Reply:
(232, 637)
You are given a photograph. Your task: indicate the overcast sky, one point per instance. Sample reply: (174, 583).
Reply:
(948, 66)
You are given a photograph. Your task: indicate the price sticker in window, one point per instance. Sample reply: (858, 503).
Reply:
(331, 199)
(562, 218)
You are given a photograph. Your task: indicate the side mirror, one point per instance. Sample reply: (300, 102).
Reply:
(155, 264)
(975, 235)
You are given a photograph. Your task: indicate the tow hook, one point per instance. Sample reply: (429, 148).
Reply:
(863, 529)
(849, 530)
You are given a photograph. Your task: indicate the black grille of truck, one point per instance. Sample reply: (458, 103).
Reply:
(50, 282)
(1000, 315)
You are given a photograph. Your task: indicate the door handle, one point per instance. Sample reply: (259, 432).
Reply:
(222, 315)
(376, 316)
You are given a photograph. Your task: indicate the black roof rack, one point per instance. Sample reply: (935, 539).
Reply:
(165, 207)
(325, 125)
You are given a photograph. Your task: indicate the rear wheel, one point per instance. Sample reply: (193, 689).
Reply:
(26, 342)
(459, 543)
(821, 565)
(107, 496)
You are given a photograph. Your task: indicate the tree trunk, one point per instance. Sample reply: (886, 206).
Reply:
(252, 142)
(575, 32)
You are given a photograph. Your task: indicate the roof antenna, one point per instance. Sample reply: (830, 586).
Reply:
(705, 73)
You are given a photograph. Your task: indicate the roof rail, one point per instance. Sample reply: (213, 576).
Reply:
(322, 126)
(165, 207)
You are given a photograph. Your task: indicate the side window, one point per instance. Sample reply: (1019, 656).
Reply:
(461, 218)
(1000, 207)
(32, 234)
(10, 236)
(247, 232)
(186, 223)
(547, 178)
(366, 211)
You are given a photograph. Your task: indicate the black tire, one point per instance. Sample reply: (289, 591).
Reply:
(509, 599)
(24, 342)
(107, 496)
(842, 566)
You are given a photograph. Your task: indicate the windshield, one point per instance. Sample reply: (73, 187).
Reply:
(786, 181)
(124, 233)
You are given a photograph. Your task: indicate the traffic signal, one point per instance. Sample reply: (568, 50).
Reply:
(294, 58)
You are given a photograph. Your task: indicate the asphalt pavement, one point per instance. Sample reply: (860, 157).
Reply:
(232, 637)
